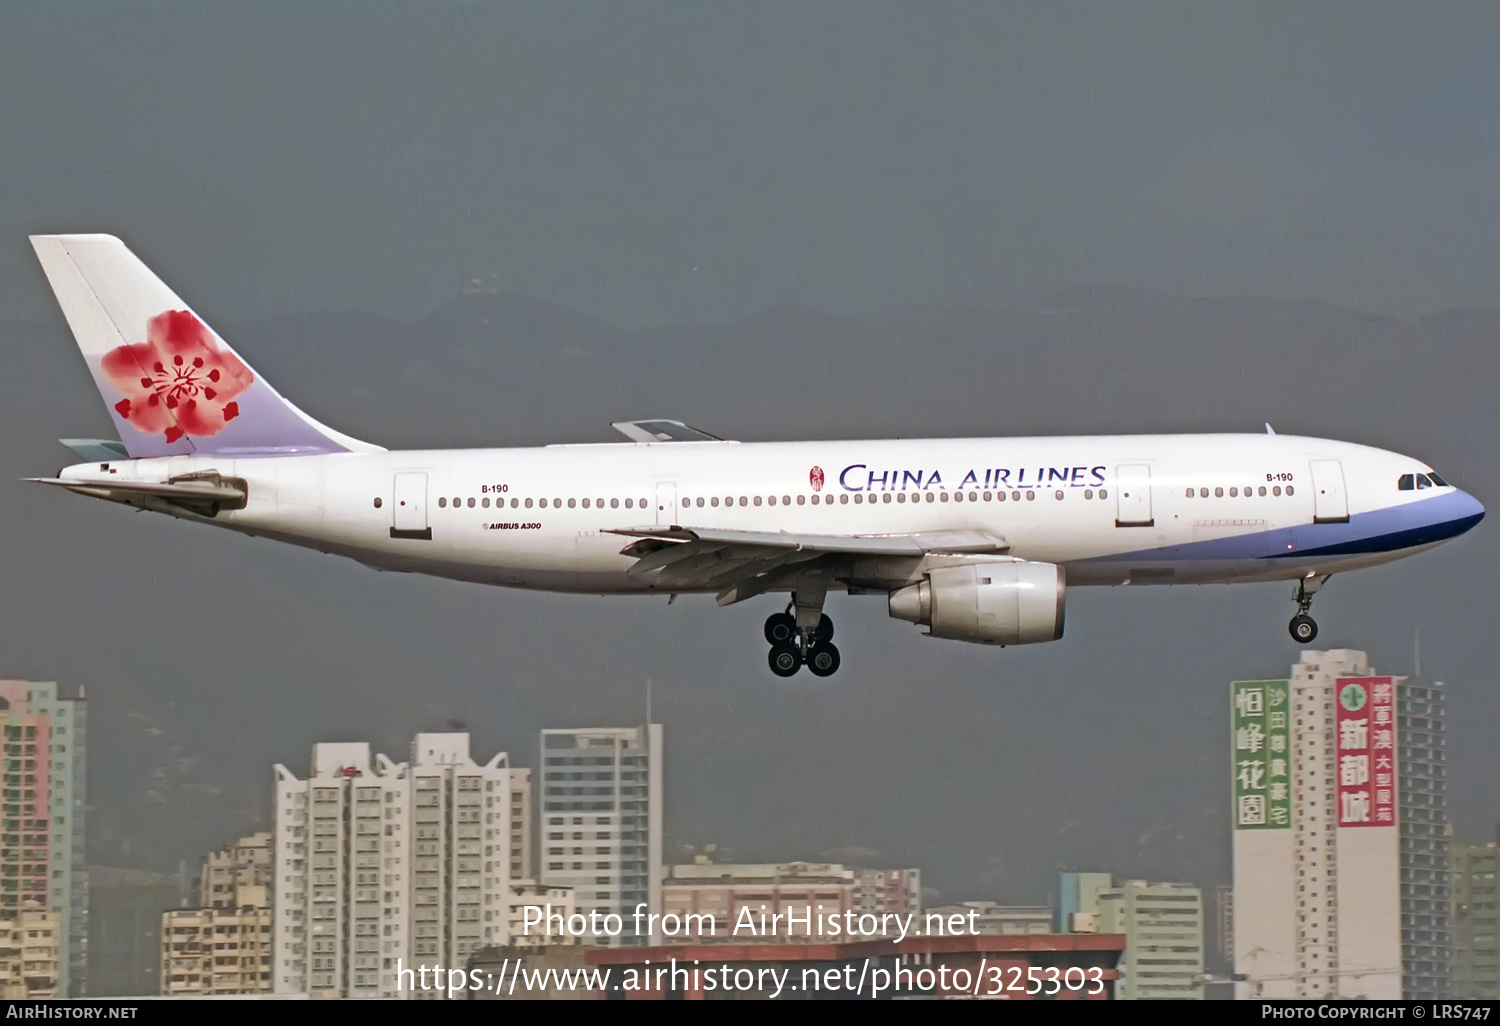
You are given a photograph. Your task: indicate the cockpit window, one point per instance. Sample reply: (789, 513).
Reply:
(1406, 482)
(1437, 480)
(1423, 481)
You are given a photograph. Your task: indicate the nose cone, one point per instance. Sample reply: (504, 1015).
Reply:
(1468, 512)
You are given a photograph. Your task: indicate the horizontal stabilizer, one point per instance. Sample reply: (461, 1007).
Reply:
(206, 495)
(96, 450)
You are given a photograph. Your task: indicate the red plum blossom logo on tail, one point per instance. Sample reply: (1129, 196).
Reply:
(815, 478)
(179, 381)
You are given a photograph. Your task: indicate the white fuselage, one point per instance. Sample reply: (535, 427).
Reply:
(1110, 510)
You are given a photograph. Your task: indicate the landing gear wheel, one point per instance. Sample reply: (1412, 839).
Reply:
(781, 628)
(823, 660)
(785, 660)
(1303, 628)
(825, 630)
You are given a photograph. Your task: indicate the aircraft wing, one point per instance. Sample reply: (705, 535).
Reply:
(662, 431)
(741, 564)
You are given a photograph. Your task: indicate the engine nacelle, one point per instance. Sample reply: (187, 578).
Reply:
(1016, 603)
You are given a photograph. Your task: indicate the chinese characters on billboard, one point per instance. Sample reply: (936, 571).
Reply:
(1365, 748)
(1260, 742)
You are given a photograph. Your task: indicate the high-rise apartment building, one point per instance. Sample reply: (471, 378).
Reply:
(223, 946)
(31, 955)
(381, 867)
(879, 891)
(1162, 924)
(1476, 922)
(42, 798)
(601, 820)
(1339, 808)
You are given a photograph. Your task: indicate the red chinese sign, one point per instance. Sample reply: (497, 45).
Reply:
(1365, 750)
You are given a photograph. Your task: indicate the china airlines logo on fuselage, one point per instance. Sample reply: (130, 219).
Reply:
(815, 478)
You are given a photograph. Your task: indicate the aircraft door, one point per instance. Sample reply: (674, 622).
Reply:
(409, 507)
(666, 504)
(1133, 496)
(1330, 497)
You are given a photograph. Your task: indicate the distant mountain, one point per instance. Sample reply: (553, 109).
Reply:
(1100, 751)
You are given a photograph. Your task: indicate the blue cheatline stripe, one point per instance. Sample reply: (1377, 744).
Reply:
(1381, 530)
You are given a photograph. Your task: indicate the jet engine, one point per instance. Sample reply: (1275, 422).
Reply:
(1018, 603)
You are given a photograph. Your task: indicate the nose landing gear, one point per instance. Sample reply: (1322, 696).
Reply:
(801, 636)
(1302, 627)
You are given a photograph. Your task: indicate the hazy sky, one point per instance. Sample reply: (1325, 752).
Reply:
(659, 163)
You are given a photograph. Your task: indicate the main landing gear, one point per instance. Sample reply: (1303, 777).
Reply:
(794, 644)
(1304, 628)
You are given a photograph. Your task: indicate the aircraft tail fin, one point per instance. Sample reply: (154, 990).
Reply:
(172, 385)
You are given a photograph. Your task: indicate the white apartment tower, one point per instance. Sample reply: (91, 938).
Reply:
(382, 866)
(1339, 812)
(601, 820)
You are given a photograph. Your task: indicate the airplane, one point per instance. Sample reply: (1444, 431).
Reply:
(974, 539)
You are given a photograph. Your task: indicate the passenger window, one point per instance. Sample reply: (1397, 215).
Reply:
(1103, 494)
(844, 498)
(887, 497)
(974, 496)
(987, 496)
(802, 500)
(442, 502)
(377, 502)
(528, 503)
(1263, 489)
(1030, 496)
(1057, 494)
(485, 503)
(1234, 493)
(943, 496)
(1001, 496)
(629, 503)
(700, 502)
(1289, 490)
(771, 500)
(1088, 493)
(1218, 493)
(786, 500)
(1406, 482)
(542, 503)
(860, 498)
(1423, 482)
(744, 501)
(573, 503)
(1202, 493)
(714, 501)
(931, 497)
(1276, 489)
(516, 502)
(757, 500)
(1190, 494)
(1015, 496)
(613, 503)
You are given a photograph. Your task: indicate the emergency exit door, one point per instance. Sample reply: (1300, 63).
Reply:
(1133, 496)
(666, 504)
(409, 507)
(1330, 497)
